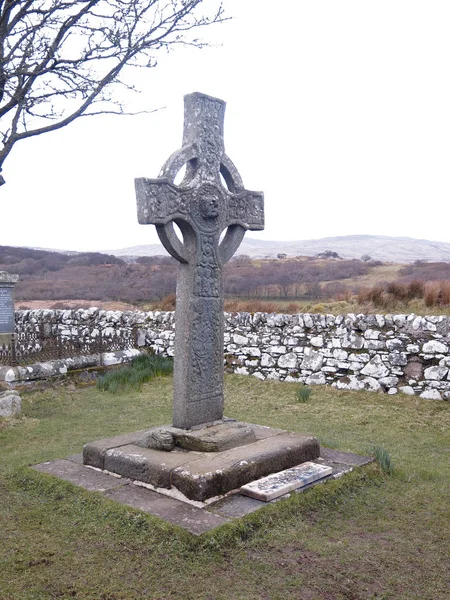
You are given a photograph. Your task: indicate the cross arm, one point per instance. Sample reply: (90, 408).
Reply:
(247, 210)
(159, 201)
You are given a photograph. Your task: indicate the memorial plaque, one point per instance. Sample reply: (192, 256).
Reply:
(6, 310)
(276, 485)
(7, 282)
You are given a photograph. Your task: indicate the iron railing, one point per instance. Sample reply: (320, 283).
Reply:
(29, 348)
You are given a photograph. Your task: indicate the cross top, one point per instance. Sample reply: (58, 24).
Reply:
(202, 207)
(200, 204)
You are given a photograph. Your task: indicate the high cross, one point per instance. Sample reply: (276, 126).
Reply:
(203, 208)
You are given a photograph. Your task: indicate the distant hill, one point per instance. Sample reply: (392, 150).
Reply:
(378, 247)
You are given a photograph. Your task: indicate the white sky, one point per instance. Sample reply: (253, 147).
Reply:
(338, 110)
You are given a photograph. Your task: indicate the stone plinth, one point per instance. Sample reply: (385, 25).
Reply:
(202, 475)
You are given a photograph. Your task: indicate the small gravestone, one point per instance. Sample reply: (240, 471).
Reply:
(7, 321)
(10, 404)
(204, 209)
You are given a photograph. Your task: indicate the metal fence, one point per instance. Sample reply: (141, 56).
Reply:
(29, 348)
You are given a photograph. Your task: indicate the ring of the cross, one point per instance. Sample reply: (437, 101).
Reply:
(234, 234)
(189, 154)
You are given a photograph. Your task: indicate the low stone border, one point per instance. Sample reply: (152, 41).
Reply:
(56, 368)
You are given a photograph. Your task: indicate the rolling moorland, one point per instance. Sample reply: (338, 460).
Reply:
(326, 282)
(379, 247)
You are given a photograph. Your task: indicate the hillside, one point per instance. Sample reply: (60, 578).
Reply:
(387, 249)
(95, 277)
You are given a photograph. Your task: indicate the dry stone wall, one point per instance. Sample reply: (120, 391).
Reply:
(387, 353)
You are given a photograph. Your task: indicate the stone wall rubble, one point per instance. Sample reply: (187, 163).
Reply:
(386, 353)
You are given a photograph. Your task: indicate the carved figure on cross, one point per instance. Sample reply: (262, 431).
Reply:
(203, 208)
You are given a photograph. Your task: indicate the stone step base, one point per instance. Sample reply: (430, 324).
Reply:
(197, 518)
(202, 475)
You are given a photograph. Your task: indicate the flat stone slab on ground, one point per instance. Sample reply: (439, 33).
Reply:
(277, 484)
(343, 458)
(84, 477)
(196, 520)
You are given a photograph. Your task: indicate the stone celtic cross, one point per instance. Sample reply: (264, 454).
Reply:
(203, 209)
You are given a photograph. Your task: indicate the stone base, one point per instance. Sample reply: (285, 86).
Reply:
(195, 517)
(202, 475)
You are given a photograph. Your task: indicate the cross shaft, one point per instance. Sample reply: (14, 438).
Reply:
(202, 208)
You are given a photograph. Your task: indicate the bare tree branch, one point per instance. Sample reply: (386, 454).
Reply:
(60, 59)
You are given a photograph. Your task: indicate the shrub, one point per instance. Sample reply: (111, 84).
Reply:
(431, 294)
(416, 289)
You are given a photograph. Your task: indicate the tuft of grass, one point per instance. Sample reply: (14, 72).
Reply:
(303, 393)
(143, 368)
(383, 458)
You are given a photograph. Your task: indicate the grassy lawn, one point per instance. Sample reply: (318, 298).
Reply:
(365, 536)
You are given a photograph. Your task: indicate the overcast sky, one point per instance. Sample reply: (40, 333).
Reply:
(338, 110)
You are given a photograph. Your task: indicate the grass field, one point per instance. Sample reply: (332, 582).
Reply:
(365, 536)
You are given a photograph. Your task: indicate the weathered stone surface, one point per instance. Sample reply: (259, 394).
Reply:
(216, 438)
(357, 383)
(277, 484)
(288, 361)
(80, 475)
(200, 475)
(375, 368)
(94, 452)
(158, 439)
(193, 519)
(10, 404)
(436, 373)
(203, 209)
(316, 379)
(431, 395)
(313, 360)
(414, 369)
(204, 478)
(145, 464)
(406, 389)
(435, 347)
